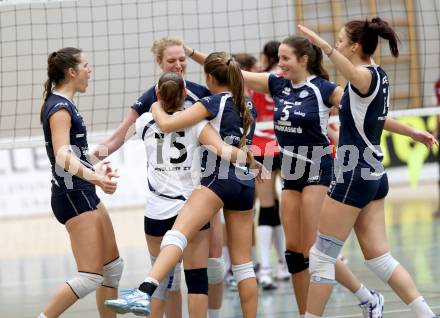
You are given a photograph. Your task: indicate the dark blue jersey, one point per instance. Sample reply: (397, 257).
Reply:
(194, 93)
(301, 113)
(363, 117)
(226, 120)
(63, 181)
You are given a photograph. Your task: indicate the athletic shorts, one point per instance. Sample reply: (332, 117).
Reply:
(235, 195)
(158, 228)
(70, 204)
(312, 175)
(353, 189)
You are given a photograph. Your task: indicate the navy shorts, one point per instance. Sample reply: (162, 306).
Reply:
(312, 175)
(271, 163)
(158, 228)
(70, 204)
(235, 195)
(352, 188)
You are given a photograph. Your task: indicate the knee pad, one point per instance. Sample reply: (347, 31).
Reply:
(216, 267)
(323, 258)
(269, 216)
(112, 273)
(383, 266)
(174, 237)
(85, 283)
(296, 262)
(197, 280)
(243, 271)
(177, 278)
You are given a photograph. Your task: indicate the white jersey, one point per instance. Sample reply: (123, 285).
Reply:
(173, 166)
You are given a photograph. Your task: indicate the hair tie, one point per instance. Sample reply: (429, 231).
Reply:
(229, 62)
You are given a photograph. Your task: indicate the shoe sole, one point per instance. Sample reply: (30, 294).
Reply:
(117, 309)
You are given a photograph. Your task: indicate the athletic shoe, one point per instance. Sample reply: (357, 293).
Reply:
(230, 282)
(282, 272)
(265, 279)
(374, 308)
(132, 300)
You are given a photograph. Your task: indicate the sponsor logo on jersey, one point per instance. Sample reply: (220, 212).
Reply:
(303, 94)
(287, 90)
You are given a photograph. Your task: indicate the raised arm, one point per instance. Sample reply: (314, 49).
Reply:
(60, 127)
(256, 81)
(359, 76)
(124, 132)
(179, 120)
(421, 136)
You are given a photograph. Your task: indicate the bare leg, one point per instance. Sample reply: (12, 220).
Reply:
(239, 229)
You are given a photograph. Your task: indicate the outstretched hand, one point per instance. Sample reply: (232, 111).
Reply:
(425, 138)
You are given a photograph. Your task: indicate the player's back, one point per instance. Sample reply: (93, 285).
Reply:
(173, 165)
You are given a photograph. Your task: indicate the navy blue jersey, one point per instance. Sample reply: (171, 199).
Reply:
(226, 120)
(63, 181)
(301, 112)
(194, 93)
(363, 117)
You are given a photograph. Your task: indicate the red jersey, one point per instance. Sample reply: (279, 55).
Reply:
(264, 142)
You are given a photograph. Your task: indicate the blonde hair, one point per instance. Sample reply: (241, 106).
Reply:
(161, 44)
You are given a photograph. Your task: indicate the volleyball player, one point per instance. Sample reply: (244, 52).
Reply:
(169, 54)
(356, 197)
(223, 185)
(74, 200)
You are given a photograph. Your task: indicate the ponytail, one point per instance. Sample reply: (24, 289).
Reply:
(315, 65)
(58, 63)
(236, 84)
(170, 91)
(366, 33)
(227, 72)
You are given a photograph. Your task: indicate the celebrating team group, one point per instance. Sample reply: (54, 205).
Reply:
(212, 152)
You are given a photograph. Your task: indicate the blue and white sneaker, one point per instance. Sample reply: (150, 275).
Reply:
(132, 300)
(373, 309)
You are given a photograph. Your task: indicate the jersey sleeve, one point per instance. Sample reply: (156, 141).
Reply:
(327, 89)
(199, 127)
(212, 105)
(276, 84)
(58, 106)
(143, 121)
(143, 104)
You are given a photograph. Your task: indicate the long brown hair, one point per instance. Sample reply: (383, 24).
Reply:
(227, 72)
(302, 46)
(58, 63)
(170, 89)
(366, 33)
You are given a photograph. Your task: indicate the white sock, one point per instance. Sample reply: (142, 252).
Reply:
(264, 242)
(42, 316)
(227, 260)
(363, 294)
(421, 308)
(214, 313)
(278, 242)
(301, 316)
(152, 280)
(311, 316)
